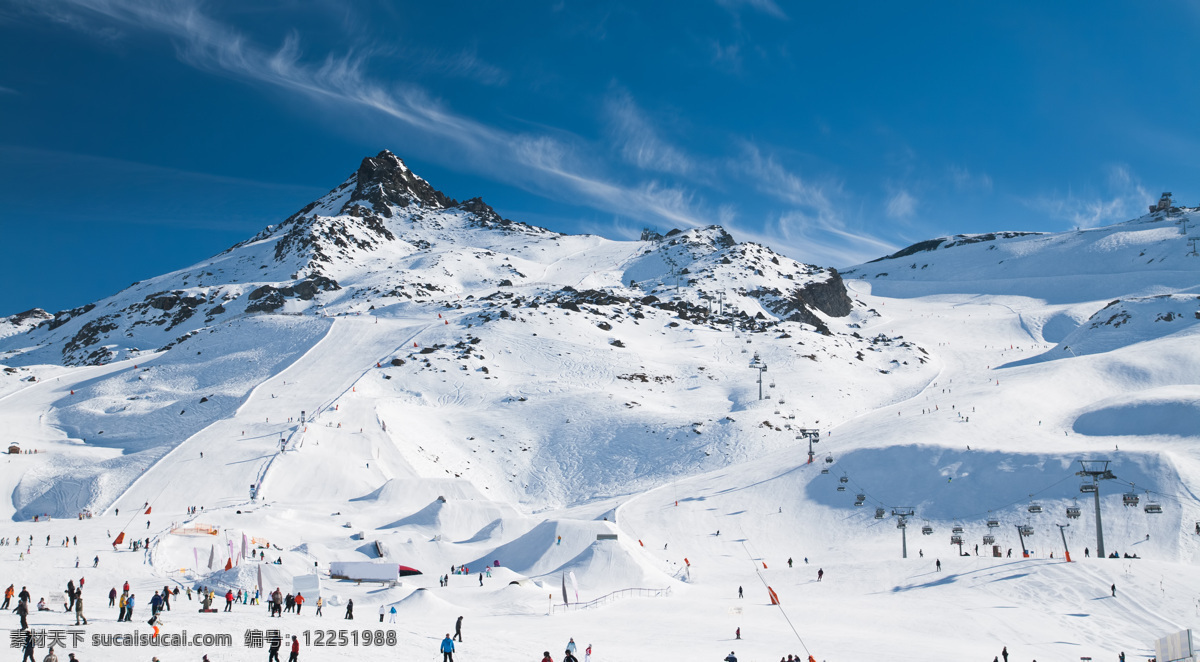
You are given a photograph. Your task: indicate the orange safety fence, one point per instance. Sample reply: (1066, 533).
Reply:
(196, 530)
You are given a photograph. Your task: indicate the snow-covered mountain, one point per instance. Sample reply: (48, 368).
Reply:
(391, 375)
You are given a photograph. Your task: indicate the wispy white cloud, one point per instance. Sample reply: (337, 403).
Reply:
(901, 205)
(462, 64)
(7, 90)
(771, 178)
(768, 7)
(1125, 198)
(639, 142)
(966, 181)
(545, 164)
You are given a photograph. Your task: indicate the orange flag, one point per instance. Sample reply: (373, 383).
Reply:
(148, 510)
(229, 564)
(120, 538)
(774, 597)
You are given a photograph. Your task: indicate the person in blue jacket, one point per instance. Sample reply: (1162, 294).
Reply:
(447, 649)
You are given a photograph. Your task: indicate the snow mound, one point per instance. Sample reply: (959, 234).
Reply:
(608, 565)
(1171, 410)
(1126, 322)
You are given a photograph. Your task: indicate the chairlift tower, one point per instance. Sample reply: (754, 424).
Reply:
(1192, 241)
(1062, 529)
(1098, 470)
(758, 364)
(902, 515)
(814, 437)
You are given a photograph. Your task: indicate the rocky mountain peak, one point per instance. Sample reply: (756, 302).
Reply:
(384, 180)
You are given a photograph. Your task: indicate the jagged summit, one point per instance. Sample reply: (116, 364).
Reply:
(383, 180)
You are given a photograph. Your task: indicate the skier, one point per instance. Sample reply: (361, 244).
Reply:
(299, 603)
(382, 611)
(1004, 654)
(458, 629)
(23, 611)
(350, 610)
(731, 657)
(273, 650)
(295, 656)
(568, 656)
(1114, 590)
(447, 649)
(820, 573)
(28, 647)
(571, 645)
(939, 565)
(737, 634)
(8, 594)
(393, 613)
(546, 657)
(320, 603)
(739, 592)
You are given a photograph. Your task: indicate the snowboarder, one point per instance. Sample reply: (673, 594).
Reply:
(458, 629)
(79, 609)
(447, 649)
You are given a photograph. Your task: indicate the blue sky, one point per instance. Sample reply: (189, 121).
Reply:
(139, 136)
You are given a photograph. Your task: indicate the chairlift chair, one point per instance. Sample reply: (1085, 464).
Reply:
(824, 471)
(1130, 498)
(879, 513)
(1072, 512)
(1035, 508)
(901, 522)
(956, 540)
(1088, 488)
(860, 499)
(776, 411)
(927, 530)
(1151, 507)
(841, 488)
(989, 539)
(993, 523)
(957, 528)
(1025, 530)
(843, 479)
(829, 459)
(771, 385)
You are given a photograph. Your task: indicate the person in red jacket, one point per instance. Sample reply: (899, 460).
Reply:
(295, 656)
(299, 603)
(229, 600)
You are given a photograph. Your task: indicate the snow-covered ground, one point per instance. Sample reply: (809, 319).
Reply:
(464, 422)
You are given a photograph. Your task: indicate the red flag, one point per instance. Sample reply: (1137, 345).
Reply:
(764, 565)
(148, 510)
(774, 597)
(229, 564)
(120, 538)
(685, 560)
